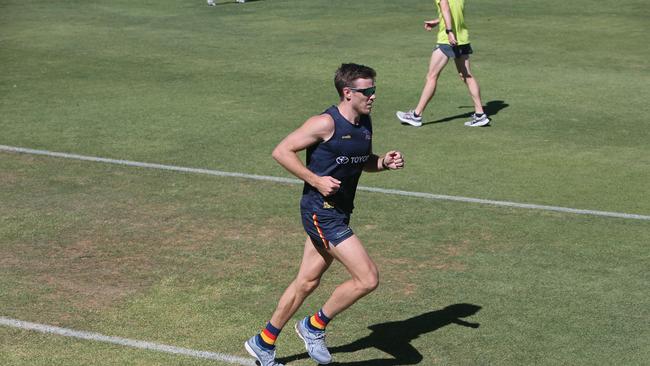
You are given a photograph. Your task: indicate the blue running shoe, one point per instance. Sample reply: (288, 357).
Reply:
(314, 342)
(265, 356)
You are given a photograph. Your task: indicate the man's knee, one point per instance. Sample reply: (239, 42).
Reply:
(369, 282)
(306, 286)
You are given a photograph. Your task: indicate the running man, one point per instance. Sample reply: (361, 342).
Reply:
(339, 148)
(453, 42)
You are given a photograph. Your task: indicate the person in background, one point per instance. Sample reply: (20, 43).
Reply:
(452, 42)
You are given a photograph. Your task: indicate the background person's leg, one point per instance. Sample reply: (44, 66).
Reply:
(436, 64)
(465, 73)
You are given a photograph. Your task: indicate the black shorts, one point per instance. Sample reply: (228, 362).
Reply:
(326, 226)
(454, 51)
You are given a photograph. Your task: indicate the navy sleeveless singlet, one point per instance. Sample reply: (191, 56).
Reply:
(342, 157)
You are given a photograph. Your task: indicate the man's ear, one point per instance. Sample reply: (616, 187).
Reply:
(347, 93)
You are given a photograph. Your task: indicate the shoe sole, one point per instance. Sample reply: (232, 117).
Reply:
(411, 123)
(251, 352)
(307, 346)
(480, 124)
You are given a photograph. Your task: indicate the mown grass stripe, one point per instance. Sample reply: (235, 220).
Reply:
(296, 181)
(125, 342)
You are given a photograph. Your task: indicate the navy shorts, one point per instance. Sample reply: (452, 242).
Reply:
(454, 51)
(326, 227)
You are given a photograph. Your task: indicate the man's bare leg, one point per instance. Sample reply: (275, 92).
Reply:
(362, 269)
(315, 262)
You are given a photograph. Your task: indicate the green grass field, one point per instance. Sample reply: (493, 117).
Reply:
(199, 261)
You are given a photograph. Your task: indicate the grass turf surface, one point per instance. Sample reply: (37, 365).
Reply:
(184, 259)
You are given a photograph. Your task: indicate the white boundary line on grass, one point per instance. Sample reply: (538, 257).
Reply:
(125, 342)
(296, 181)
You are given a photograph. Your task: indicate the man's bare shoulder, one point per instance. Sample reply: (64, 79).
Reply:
(320, 120)
(321, 125)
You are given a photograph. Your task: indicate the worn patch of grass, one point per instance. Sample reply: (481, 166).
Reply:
(199, 262)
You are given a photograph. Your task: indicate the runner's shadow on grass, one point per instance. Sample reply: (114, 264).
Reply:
(491, 108)
(394, 338)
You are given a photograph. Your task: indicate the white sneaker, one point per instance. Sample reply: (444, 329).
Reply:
(478, 121)
(409, 118)
(211, 2)
(241, 1)
(264, 356)
(314, 342)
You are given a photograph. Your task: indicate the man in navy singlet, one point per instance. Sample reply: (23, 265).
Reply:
(339, 148)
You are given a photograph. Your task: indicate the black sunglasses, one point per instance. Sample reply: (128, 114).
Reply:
(368, 92)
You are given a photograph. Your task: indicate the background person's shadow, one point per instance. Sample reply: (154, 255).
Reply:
(491, 108)
(231, 2)
(394, 338)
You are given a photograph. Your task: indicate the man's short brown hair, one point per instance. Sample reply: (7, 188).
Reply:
(348, 73)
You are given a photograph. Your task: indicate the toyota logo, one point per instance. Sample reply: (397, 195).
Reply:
(342, 160)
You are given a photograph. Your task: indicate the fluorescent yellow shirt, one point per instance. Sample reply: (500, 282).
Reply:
(458, 19)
